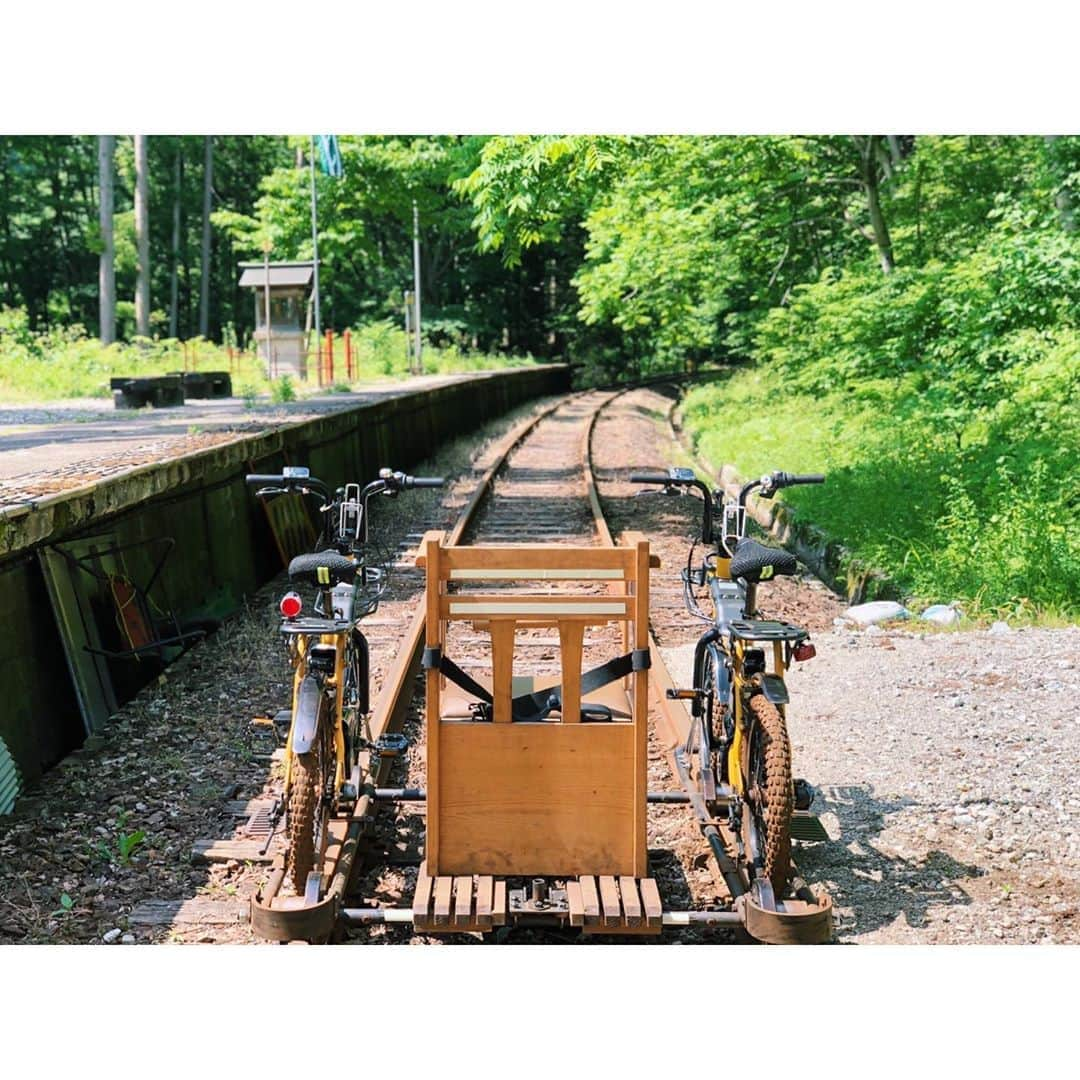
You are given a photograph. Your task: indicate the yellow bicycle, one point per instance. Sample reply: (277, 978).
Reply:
(330, 660)
(738, 754)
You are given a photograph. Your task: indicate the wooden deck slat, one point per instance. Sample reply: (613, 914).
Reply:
(484, 889)
(498, 906)
(223, 850)
(422, 895)
(650, 898)
(463, 890)
(443, 890)
(577, 905)
(589, 898)
(631, 902)
(609, 897)
(194, 911)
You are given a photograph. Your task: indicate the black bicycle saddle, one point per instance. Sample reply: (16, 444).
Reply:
(758, 562)
(322, 568)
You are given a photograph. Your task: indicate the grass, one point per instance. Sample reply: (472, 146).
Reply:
(986, 512)
(69, 363)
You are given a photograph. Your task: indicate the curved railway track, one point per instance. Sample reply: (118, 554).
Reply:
(538, 487)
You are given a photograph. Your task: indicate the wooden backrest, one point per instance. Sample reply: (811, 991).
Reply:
(557, 797)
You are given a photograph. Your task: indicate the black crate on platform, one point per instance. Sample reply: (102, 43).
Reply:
(206, 384)
(161, 391)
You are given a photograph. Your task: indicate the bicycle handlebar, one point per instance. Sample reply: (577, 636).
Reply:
(783, 479)
(423, 482)
(676, 477)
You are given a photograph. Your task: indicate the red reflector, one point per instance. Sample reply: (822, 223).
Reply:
(805, 651)
(290, 605)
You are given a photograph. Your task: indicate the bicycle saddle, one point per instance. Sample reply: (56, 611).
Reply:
(758, 562)
(323, 568)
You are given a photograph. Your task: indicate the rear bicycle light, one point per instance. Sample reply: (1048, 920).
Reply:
(290, 605)
(805, 651)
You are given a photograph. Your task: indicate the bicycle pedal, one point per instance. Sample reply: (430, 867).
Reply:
(391, 745)
(681, 695)
(806, 826)
(283, 718)
(804, 794)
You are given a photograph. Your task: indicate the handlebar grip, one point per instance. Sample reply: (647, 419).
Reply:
(263, 479)
(809, 478)
(424, 481)
(649, 478)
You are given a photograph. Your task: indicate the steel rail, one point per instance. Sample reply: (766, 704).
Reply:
(297, 919)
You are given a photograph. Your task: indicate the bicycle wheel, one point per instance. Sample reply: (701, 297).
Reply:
(771, 799)
(309, 806)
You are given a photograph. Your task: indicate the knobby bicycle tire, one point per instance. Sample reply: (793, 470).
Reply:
(768, 745)
(309, 810)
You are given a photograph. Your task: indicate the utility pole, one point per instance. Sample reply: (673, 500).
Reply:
(207, 237)
(142, 238)
(315, 246)
(106, 266)
(416, 285)
(271, 366)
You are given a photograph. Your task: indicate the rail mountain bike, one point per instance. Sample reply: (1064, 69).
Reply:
(738, 754)
(330, 660)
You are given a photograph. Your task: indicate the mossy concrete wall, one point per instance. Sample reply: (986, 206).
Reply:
(223, 549)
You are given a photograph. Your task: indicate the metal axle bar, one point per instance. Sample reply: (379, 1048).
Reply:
(383, 794)
(367, 916)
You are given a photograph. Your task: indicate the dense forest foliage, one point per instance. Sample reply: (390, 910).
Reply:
(898, 310)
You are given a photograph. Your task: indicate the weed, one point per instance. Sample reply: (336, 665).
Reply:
(126, 843)
(283, 391)
(66, 906)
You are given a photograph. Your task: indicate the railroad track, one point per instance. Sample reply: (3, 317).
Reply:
(538, 487)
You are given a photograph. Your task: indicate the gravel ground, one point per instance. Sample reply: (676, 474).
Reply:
(944, 759)
(174, 757)
(943, 762)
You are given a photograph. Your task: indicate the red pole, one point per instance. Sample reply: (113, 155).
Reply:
(330, 356)
(348, 353)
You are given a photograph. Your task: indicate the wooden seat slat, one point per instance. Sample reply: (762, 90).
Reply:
(589, 898)
(422, 895)
(609, 897)
(443, 891)
(631, 902)
(650, 899)
(463, 894)
(575, 903)
(498, 904)
(484, 888)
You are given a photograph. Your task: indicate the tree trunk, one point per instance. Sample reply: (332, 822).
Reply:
(867, 146)
(1061, 197)
(204, 263)
(174, 272)
(107, 260)
(142, 239)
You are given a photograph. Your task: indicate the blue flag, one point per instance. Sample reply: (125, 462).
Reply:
(330, 155)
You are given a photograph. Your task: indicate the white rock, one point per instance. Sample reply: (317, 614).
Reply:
(128, 939)
(999, 628)
(943, 614)
(876, 611)
(112, 935)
